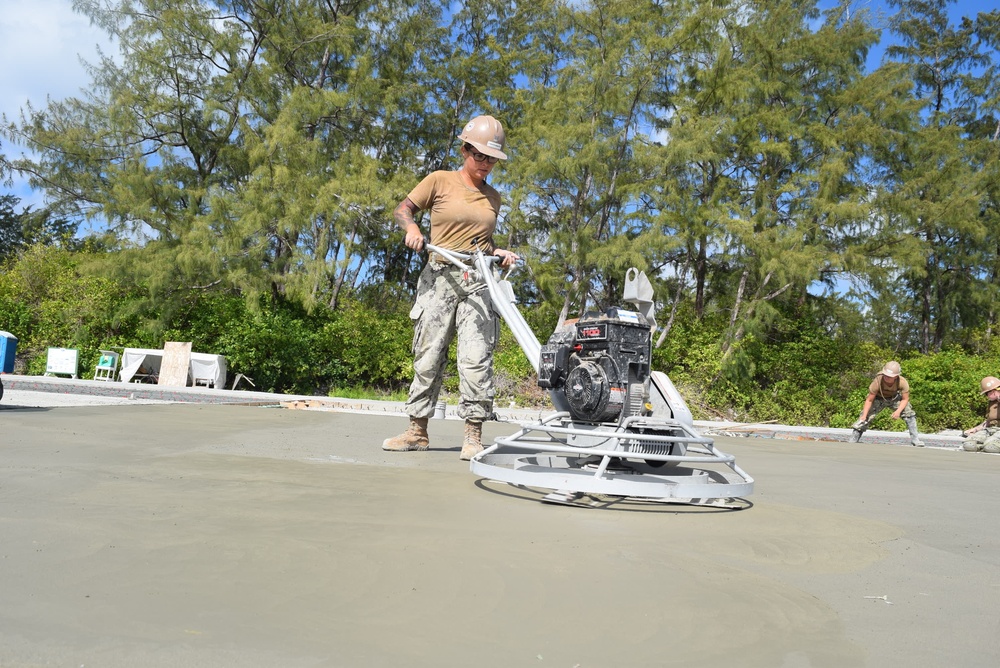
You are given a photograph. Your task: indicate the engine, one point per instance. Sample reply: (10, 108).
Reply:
(602, 365)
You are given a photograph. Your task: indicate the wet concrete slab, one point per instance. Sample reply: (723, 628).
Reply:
(248, 535)
(70, 391)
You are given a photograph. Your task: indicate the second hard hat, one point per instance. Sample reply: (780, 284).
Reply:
(988, 383)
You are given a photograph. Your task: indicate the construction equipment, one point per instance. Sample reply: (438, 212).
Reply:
(620, 430)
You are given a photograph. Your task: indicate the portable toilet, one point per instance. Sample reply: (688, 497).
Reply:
(8, 348)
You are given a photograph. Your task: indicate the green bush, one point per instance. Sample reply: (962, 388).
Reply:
(793, 371)
(945, 387)
(369, 345)
(47, 301)
(514, 375)
(275, 345)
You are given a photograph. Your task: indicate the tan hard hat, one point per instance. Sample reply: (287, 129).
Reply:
(486, 134)
(988, 383)
(890, 369)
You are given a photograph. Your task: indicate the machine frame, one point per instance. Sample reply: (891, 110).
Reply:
(658, 457)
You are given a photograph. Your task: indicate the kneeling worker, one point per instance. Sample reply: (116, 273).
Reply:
(888, 390)
(985, 436)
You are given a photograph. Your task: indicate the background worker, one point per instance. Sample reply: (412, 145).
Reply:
(463, 213)
(888, 390)
(985, 436)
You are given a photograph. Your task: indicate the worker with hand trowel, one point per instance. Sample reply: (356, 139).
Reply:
(888, 390)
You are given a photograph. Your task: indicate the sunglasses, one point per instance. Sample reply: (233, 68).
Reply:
(480, 157)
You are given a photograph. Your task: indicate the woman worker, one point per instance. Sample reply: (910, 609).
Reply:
(463, 214)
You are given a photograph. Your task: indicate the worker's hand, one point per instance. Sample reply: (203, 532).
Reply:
(414, 237)
(507, 259)
(895, 416)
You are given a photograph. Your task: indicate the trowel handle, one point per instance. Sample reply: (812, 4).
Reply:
(456, 258)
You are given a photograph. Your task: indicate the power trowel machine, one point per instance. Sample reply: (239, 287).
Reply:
(620, 430)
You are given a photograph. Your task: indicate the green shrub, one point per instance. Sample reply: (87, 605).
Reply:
(274, 344)
(945, 388)
(369, 345)
(515, 380)
(47, 301)
(793, 371)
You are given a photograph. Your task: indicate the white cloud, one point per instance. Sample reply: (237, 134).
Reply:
(41, 46)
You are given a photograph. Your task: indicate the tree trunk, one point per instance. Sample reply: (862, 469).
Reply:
(700, 272)
(730, 340)
(681, 284)
(564, 312)
(925, 312)
(348, 245)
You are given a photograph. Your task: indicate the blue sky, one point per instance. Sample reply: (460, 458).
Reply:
(42, 43)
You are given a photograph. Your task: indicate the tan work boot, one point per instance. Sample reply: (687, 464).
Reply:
(414, 438)
(472, 444)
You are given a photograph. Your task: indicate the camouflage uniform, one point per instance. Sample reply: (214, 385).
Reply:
(449, 301)
(879, 404)
(986, 439)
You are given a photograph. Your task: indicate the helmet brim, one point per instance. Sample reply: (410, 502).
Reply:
(487, 150)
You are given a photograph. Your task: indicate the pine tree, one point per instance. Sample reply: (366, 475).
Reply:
(936, 178)
(767, 123)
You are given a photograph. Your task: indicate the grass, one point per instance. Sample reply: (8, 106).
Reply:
(374, 394)
(525, 395)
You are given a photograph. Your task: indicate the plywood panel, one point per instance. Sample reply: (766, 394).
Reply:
(176, 364)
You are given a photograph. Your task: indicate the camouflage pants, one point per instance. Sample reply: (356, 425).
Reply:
(984, 440)
(450, 303)
(879, 405)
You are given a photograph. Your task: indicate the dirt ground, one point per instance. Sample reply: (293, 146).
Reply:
(211, 535)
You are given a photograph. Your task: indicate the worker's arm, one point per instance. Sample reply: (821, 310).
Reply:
(868, 406)
(403, 214)
(978, 427)
(902, 405)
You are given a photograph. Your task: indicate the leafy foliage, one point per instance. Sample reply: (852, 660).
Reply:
(802, 216)
(20, 230)
(48, 301)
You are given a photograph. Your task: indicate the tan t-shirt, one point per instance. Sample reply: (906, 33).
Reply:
(459, 213)
(880, 390)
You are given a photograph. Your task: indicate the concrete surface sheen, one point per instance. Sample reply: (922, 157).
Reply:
(220, 535)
